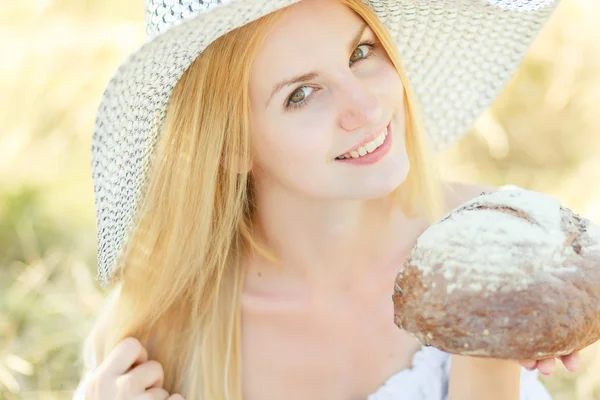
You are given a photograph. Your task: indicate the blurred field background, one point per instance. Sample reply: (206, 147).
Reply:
(543, 133)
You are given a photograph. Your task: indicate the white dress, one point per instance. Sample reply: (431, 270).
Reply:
(427, 379)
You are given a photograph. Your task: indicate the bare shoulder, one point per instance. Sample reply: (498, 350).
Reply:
(457, 193)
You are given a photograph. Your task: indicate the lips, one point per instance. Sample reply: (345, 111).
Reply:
(367, 145)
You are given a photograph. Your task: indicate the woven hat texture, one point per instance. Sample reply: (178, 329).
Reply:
(458, 55)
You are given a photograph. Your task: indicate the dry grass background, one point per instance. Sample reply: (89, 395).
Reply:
(543, 133)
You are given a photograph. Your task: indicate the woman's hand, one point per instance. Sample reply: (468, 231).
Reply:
(547, 366)
(127, 374)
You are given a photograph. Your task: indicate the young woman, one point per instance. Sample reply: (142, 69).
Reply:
(262, 169)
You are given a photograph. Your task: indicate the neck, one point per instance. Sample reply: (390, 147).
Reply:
(325, 242)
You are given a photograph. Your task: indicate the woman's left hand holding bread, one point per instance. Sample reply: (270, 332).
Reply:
(547, 366)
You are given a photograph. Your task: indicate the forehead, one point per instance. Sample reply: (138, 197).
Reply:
(309, 31)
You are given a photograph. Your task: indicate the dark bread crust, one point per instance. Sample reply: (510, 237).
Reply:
(556, 315)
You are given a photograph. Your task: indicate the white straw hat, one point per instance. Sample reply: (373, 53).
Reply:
(458, 55)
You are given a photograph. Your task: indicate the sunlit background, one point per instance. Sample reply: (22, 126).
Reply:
(543, 133)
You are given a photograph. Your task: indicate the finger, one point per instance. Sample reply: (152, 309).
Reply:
(571, 361)
(148, 375)
(128, 352)
(176, 397)
(547, 366)
(153, 394)
(529, 364)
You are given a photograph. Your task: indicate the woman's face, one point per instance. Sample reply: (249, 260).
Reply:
(321, 89)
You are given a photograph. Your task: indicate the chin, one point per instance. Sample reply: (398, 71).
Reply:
(391, 173)
(378, 184)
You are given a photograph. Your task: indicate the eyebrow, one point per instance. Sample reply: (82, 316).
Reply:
(313, 74)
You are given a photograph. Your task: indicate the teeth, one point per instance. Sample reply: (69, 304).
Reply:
(367, 148)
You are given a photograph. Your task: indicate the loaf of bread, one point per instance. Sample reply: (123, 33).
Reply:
(510, 274)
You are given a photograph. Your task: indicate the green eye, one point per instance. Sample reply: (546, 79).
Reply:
(360, 52)
(297, 96)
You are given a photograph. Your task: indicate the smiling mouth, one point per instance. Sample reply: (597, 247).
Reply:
(366, 148)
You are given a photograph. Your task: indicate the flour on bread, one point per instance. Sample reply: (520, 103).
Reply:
(485, 249)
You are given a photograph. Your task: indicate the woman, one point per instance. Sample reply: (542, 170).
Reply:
(261, 170)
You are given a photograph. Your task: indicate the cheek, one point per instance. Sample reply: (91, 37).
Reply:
(295, 148)
(388, 81)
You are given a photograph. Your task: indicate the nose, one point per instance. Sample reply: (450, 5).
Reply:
(359, 107)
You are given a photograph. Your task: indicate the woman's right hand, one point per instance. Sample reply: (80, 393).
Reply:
(127, 374)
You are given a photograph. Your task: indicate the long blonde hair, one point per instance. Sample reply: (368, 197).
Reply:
(179, 290)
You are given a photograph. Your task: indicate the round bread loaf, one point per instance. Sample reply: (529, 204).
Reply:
(509, 274)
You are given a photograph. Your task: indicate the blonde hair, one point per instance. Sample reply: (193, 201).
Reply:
(180, 287)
